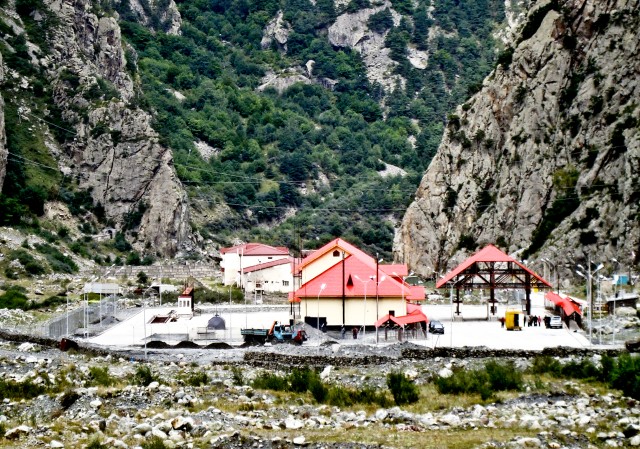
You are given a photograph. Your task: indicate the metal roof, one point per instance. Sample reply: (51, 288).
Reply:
(491, 267)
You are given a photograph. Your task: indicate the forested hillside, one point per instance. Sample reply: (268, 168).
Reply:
(335, 154)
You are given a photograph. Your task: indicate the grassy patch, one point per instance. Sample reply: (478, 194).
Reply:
(391, 437)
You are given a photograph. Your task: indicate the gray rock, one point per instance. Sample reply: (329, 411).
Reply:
(16, 432)
(492, 176)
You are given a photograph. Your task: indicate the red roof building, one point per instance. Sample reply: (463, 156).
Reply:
(340, 285)
(239, 260)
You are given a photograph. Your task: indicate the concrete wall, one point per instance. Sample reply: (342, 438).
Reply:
(198, 270)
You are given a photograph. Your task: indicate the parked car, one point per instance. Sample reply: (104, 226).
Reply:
(555, 322)
(436, 327)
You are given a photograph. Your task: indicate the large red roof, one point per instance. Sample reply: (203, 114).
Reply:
(567, 305)
(357, 273)
(256, 249)
(336, 244)
(488, 254)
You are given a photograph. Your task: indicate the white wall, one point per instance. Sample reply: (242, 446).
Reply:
(231, 263)
(355, 314)
(278, 279)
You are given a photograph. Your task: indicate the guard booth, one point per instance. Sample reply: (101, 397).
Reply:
(513, 320)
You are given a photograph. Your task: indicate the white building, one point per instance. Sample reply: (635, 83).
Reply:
(257, 267)
(275, 276)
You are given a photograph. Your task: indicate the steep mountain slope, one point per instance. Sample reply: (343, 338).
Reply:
(77, 127)
(546, 157)
(288, 121)
(3, 137)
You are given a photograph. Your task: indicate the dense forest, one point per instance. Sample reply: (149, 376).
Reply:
(302, 166)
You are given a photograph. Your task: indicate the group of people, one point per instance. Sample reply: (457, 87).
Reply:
(533, 320)
(530, 320)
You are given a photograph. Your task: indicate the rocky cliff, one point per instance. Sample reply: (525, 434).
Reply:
(100, 138)
(544, 160)
(3, 139)
(115, 154)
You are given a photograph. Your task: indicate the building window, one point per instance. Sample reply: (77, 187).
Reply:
(336, 253)
(285, 283)
(269, 257)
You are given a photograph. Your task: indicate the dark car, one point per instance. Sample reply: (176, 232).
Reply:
(436, 327)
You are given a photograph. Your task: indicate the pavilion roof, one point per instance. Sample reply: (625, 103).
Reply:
(492, 267)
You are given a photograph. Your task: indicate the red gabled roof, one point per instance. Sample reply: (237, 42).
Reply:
(488, 254)
(565, 303)
(271, 263)
(414, 317)
(357, 274)
(338, 244)
(256, 249)
(396, 269)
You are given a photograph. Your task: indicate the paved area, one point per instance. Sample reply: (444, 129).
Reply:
(471, 328)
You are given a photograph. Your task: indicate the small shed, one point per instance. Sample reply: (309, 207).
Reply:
(621, 299)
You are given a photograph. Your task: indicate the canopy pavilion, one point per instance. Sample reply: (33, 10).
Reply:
(492, 269)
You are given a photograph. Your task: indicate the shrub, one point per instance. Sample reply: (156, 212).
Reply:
(319, 392)
(96, 444)
(266, 381)
(301, 379)
(13, 299)
(545, 364)
(625, 375)
(57, 261)
(339, 397)
(143, 376)
(30, 264)
(237, 376)
(198, 379)
(403, 390)
(503, 376)
(154, 443)
(101, 376)
(485, 382)
(20, 390)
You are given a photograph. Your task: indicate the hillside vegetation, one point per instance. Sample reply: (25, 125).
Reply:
(296, 168)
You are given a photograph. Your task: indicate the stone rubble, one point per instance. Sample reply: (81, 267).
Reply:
(223, 414)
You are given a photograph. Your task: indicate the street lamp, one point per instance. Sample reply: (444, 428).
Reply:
(404, 278)
(322, 287)
(587, 274)
(615, 299)
(555, 269)
(364, 318)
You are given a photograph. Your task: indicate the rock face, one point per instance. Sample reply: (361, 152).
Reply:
(276, 30)
(115, 154)
(350, 30)
(545, 158)
(159, 15)
(3, 137)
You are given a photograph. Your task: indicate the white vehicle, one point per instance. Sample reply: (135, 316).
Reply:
(555, 322)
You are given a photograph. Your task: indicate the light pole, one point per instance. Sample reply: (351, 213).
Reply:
(322, 287)
(588, 276)
(404, 278)
(555, 269)
(615, 299)
(364, 313)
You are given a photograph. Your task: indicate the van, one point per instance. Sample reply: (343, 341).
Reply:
(555, 322)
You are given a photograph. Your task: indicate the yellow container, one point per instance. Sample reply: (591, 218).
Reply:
(513, 320)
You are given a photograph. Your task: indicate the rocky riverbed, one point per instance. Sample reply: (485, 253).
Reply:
(91, 398)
